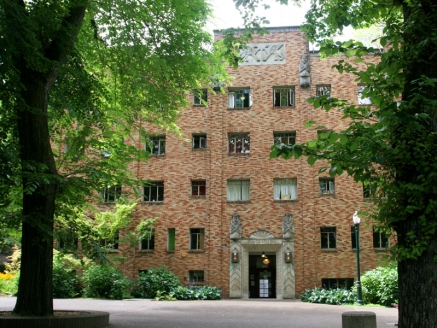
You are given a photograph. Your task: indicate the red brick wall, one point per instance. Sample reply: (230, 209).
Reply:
(213, 213)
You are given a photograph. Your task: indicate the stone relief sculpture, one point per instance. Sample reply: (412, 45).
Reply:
(304, 71)
(288, 226)
(235, 227)
(263, 54)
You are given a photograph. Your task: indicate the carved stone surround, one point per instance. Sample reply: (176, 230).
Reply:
(261, 241)
(263, 54)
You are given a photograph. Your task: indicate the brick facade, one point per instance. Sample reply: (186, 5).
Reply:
(181, 164)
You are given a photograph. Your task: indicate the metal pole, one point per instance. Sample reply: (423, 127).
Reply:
(359, 291)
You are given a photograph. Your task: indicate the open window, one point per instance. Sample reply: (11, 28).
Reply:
(283, 97)
(239, 98)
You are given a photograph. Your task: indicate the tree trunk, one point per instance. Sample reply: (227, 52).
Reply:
(35, 289)
(414, 172)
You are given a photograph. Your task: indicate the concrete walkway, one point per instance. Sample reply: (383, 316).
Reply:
(224, 314)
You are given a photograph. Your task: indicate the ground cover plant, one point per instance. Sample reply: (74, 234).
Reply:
(336, 296)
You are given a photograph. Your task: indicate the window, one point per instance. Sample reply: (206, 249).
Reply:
(156, 145)
(327, 186)
(284, 189)
(239, 98)
(328, 238)
(288, 138)
(67, 243)
(334, 283)
(171, 239)
(239, 143)
(323, 90)
(380, 239)
(361, 99)
(199, 141)
(196, 239)
(353, 238)
(148, 243)
(283, 97)
(200, 97)
(238, 190)
(110, 243)
(154, 192)
(198, 188)
(111, 194)
(196, 276)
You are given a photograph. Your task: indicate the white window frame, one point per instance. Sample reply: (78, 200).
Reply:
(238, 190)
(113, 242)
(150, 198)
(323, 90)
(380, 236)
(202, 141)
(111, 194)
(328, 233)
(287, 138)
(200, 97)
(194, 276)
(150, 241)
(243, 139)
(284, 97)
(158, 145)
(361, 100)
(327, 186)
(285, 189)
(197, 239)
(195, 188)
(236, 100)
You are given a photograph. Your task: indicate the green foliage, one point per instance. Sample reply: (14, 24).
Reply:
(196, 293)
(104, 281)
(329, 296)
(66, 282)
(13, 267)
(380, 286)
(155, 279)
(9, 287)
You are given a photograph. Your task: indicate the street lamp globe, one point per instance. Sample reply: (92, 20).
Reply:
(356, 218)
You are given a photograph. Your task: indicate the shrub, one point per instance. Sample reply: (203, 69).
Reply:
(380, 286)
(66, 283)
(196, 293)
(155, 279)
(336, 296)
(104, 281)
(9, 284)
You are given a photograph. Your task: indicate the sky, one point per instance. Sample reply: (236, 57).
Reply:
(279, 15)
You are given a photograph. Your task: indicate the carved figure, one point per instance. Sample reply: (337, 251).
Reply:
(274, 50)
(304, 71)
(235, 227)
(287, 226)
(250, 52)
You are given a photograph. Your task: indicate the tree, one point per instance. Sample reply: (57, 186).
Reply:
(84, 75)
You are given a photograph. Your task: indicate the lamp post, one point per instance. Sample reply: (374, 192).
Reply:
(356, 220)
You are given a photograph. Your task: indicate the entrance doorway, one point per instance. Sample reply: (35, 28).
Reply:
(262, 276)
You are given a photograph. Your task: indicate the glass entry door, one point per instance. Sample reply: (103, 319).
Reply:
(262, 277)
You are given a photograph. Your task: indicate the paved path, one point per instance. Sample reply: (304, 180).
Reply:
(214, 314)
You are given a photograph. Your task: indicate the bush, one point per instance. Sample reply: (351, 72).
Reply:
(9, 284)
(155, 279)
(336, 296)
(380, 286)
(104, 281)
(66, 283)
(196, 293)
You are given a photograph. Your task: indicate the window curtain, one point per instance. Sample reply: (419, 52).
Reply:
(238, 190)
(284, 187)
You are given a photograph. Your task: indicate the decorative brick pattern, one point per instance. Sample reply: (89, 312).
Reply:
(180, 165)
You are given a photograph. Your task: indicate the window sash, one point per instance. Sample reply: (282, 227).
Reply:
(154, 192)
(148, 243)
(196, 276)
(239, 143)
(158, 145)
(361, 100)
(328, 238)
(238, 99)
(284, 189)
(199, 141)
(199, 96)
(111, 194)
(196, 239)
(323, 90)
(380, 239)
(288, 138)
(238, 190)
(283, 97)
(198, 188)
(327, 186)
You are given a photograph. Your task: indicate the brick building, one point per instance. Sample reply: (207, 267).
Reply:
(222, 203)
